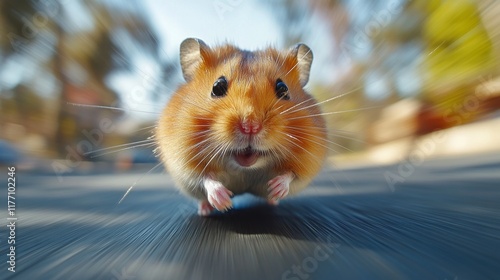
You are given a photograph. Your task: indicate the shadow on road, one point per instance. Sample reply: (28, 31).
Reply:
(439, 226)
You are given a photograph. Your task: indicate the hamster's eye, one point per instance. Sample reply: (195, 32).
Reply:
(219, 88)
(281, 90)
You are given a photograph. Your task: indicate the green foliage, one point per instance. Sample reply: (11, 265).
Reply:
(459, 51)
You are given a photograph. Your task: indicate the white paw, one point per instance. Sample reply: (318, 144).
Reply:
(279, 186)
(218, 196)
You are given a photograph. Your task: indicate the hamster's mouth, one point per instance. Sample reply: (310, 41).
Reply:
(246, 157)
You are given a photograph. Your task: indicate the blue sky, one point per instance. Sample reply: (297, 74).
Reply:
(248, 24)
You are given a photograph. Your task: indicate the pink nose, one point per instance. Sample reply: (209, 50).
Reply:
(249, 127)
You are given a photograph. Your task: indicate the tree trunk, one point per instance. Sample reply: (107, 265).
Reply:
(60, 137)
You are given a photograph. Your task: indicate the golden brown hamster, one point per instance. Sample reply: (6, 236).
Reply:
(242, 123)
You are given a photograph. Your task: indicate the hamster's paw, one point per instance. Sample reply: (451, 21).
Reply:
(279, 186)
(204, 208)
(273, 202)
(218, 196)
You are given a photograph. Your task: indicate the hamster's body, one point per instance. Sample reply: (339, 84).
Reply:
(242, 123)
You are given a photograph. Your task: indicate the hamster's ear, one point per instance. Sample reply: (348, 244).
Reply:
(191, 56)
(304, 57)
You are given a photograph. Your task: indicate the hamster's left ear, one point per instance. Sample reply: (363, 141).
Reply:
(304, 57)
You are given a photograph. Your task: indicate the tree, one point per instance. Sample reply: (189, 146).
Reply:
(459, 52)
(58, 46)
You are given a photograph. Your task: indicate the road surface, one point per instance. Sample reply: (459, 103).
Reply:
(439, 219)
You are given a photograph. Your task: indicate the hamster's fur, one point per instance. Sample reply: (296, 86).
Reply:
(242, 122)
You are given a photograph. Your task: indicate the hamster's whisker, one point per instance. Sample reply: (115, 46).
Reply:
(342, 131)
(276, 151)
(330, 133)
(327, 100)
(283, 60)
(138, 180)
(189, 161)
(347, 137)
(197, 106)
(318, 103)
(305, 132)
(204, 150)
(296, 64)
(202, 118)
(212, 148)
(200, 125)
(201, 142)
(338, 96)
(218, 149)
(192, 135)
(298, 140)
(201, 151)
(277, 109)
(297, 145)
(119, 146)
(150, 144)
(224, 152)
(284, 152)
(111, 108)
(274, 104)
(333, 113)
(274, 154)
(326, 140)
(296, 105)
(308, 128)
(152, 127)
(197, 134)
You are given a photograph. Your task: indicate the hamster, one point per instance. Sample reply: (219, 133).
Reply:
(242, 123)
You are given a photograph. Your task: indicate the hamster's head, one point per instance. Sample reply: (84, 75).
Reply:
(249, 109)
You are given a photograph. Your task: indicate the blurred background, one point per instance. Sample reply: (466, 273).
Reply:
(82, 82)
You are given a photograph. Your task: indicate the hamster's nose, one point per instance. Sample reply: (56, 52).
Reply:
(250, 127)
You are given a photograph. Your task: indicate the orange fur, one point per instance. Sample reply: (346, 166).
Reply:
(193, 120)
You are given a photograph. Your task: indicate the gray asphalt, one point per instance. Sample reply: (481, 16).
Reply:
(441, 220)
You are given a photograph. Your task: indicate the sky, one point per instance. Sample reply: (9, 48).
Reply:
(253, 25)
(250, 25)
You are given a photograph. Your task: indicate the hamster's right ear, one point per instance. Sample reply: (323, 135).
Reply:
(304, 57)
(191, 56)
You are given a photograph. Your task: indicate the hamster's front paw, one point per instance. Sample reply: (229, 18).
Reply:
(218, 196)
(279, 186)
(205, 208)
